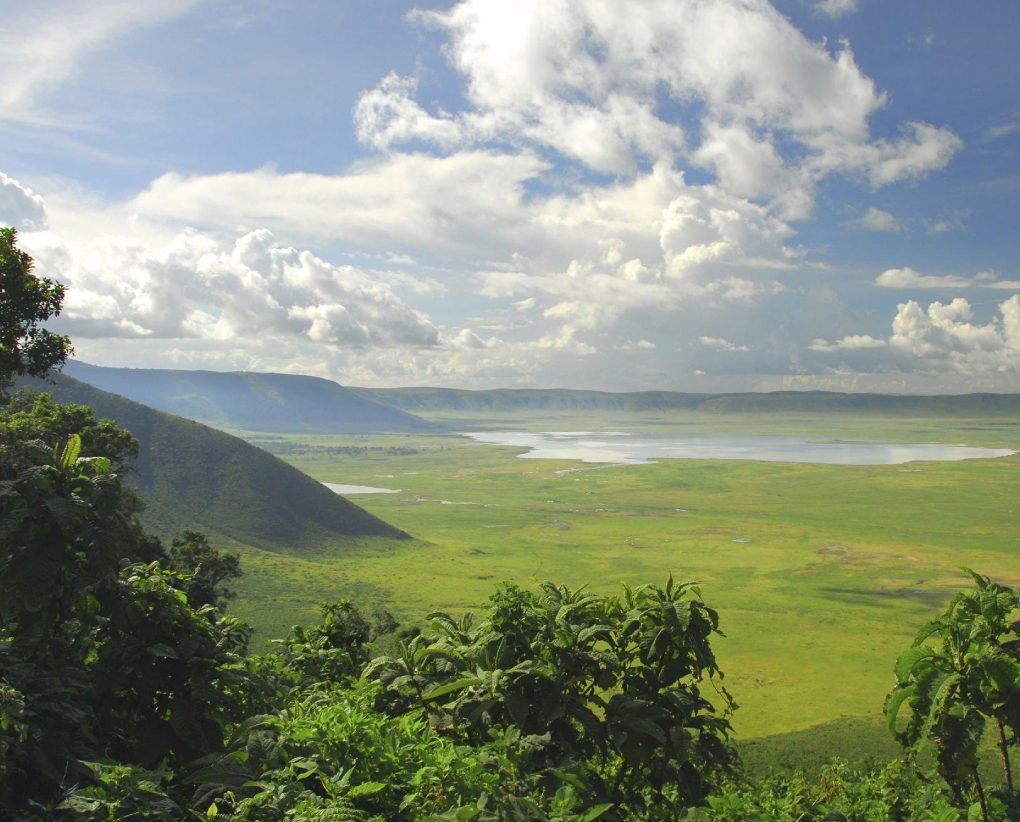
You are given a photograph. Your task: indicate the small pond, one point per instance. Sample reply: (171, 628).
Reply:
(635, 449)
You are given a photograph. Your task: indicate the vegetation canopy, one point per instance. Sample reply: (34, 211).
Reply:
(26, 301)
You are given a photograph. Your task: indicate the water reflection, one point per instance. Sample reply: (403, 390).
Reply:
(635, 449)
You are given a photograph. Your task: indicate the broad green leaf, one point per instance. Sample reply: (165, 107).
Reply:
(451, 687)
(71, 452)
(596, 811)
(366, 789)
(909, 658)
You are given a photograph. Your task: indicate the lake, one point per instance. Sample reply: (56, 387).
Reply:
(635, 449)
(340, 488)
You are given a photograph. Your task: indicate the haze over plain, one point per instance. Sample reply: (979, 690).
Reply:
(692, 196)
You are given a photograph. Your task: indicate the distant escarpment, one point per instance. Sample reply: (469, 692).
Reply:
(451, 400)
(250, 401)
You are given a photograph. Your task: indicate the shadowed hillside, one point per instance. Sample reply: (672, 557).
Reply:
(193, 476)
(250, 401)
(439, 400)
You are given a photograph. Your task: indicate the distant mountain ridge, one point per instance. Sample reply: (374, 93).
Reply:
(193, 476)
(250, 401)
(439, 400)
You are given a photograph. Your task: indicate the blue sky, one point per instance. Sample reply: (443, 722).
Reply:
(669, 194)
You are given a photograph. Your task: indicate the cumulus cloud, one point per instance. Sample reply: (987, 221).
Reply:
(944, 338)
(20, 206)
(587, 79)
(198, 288)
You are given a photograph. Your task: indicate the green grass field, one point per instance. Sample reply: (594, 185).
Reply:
(821, 574)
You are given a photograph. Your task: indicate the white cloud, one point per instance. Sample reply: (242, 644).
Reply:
(468, 203)
(875, 219)
(944, 336)
(852, 342)
(466, 338)
(1006, 129)
(837, 8)
(942, 339)
(20, 206)
(44, 43)
(387, 115)
(909, 278)
(587, 78)
(721, 344)
(198, 288)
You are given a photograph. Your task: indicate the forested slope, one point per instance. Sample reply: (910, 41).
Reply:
(193, 476)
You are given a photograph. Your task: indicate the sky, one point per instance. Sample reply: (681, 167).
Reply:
(688, 195)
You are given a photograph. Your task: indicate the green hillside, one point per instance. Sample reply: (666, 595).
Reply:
(450, 400)
(193, 476)
(285, 403)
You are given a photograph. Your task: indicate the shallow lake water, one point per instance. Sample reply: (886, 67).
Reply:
(634, 449)
(340, 488)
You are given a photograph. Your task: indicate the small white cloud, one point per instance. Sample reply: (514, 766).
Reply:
(875, 219)
(1006, 129)
(858, 341)
(837, 8)
(387, 115)
(852, 342)
(468, 339)
(721, 344)
(909, 278)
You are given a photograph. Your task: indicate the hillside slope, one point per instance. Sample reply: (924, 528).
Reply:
(440, 400)
(285, 403)
(193, 476)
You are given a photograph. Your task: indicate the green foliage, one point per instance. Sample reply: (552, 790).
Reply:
(962, 671)
(30, 417)
(102, 656)
(124, 792)
(208, 569)
(26, 301)
(895, 793)
(611, 685)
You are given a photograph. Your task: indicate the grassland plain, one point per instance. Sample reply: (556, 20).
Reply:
(821, 574)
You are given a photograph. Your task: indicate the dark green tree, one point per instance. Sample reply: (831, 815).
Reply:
(101, 656)
(207, 569)
(963, 672)
(30, 416)
(606, 692)
(27, 301)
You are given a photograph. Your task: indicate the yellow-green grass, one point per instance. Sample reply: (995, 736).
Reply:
(821, 574)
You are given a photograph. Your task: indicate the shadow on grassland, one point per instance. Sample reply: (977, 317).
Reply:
(856, 739)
